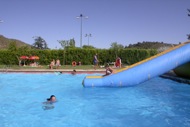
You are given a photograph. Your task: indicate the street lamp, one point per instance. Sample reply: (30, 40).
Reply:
(88, 35)
(81, 17)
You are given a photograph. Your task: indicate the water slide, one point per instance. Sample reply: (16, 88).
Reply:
(143, 70)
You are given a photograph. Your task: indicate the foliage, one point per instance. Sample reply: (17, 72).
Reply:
(159, 46)
(188, 36)
(23, 48)
(85, 56)
(40, 43)
(88, 47)
(116, 46)
(12, 46)
(72, 42)
(67, 43)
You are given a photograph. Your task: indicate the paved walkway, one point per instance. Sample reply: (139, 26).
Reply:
(54, 70)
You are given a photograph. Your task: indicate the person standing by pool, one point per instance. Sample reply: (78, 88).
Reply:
(118, 62)
(95, 61)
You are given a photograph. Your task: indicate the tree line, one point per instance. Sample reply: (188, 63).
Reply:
(40, 43)
(68, 55)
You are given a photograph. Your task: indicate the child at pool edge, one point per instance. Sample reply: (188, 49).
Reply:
(109, 70)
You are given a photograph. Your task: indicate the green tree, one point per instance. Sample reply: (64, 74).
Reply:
(23, 48)
(72, 42)
(188, 36)
(12, 46)
(13, 50)
(88, 47)
(65, 44)
(116, 46)
(40, 43)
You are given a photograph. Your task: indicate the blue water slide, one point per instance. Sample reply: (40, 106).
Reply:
(143, 70)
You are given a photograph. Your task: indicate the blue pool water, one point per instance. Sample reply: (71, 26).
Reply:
(157, 102)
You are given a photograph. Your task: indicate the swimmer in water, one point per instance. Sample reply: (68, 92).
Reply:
(52, 98)
(74, 72)
(58, 72)
(49, 103)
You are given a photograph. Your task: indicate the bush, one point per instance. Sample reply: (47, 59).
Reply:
(85, 56)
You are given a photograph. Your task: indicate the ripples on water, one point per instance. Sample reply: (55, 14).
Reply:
(157, 102)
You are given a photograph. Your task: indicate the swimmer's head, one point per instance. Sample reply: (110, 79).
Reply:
(73, 72)
(52, 98)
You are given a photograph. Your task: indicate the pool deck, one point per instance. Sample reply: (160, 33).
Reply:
(37, 70)
(169, 75)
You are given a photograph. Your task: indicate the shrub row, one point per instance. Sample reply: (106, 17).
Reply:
(85, 56)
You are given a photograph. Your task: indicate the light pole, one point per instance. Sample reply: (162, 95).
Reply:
(81, 17)
(88, 35)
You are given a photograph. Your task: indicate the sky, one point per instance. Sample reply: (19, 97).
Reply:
(122, 21)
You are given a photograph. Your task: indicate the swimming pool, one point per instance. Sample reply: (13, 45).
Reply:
(157, 102)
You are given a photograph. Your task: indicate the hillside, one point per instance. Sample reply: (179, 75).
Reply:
(160, 46)
(4, 42)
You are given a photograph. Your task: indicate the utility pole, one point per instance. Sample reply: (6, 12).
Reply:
(81, 17)
(88, 35)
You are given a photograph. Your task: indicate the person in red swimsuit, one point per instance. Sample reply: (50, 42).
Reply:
(118, 62)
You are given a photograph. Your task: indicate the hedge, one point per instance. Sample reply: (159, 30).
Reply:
(85, 56)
